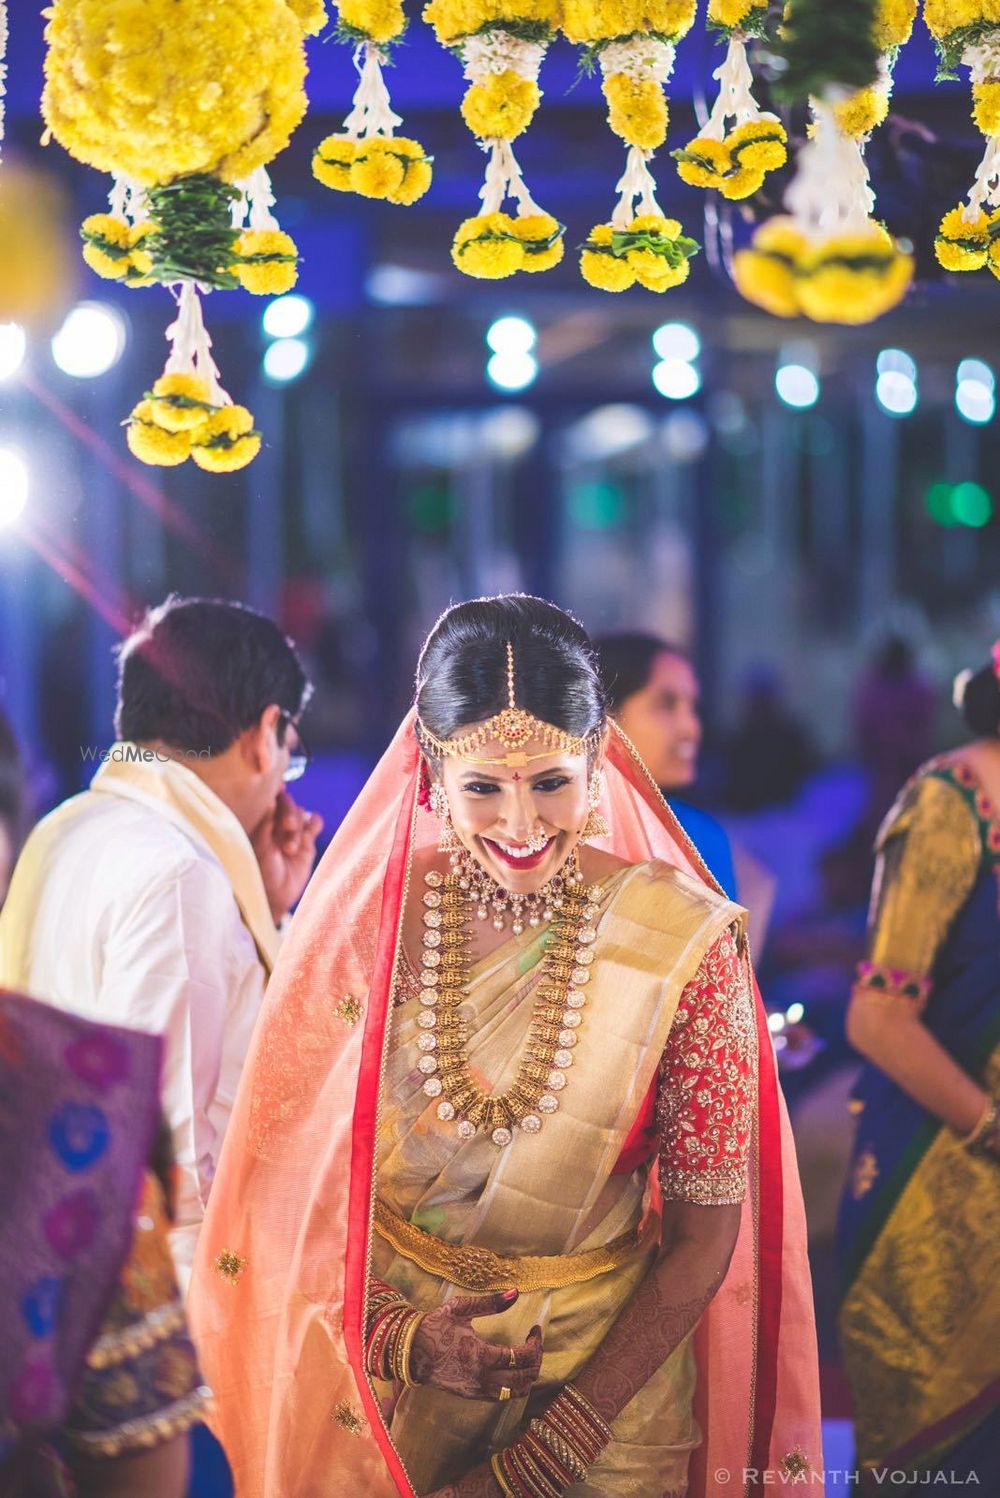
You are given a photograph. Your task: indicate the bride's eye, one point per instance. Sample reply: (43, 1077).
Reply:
(481, 787)
(553, 783)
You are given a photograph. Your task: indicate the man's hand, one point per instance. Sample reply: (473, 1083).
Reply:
(285, 845)
(447, 1352)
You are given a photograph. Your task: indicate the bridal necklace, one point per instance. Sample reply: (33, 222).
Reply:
(560, 996)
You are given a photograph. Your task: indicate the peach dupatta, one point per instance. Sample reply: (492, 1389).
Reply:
(277, 1298)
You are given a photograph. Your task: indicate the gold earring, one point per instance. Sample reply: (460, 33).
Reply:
(596, 825)
(449, 842)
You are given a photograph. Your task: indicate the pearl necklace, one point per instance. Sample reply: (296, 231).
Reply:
(559, 1001)
(493, 902)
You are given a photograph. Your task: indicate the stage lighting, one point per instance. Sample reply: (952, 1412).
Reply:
(511, 335)
(13, 346)
(896, 392)
(675, 340)
(90, 341)
(896, 361)
(676, 379)
(975, 369)
(794, 1013)
(512, 370)
(13, 485)
(971, 505)
(285, 359)
(288, 316)
(975, 402)
(797, 386)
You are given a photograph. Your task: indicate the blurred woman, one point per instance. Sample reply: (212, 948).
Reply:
(920, 1217)
(99, 1382)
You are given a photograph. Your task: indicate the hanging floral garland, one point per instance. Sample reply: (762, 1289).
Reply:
(501, 45)
(184, 104)
(969, 34)
(366, 156)
(39, 274)
(828, 259)
(633, 42)
(740, 143)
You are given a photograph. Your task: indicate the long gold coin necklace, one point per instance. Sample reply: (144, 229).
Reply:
(450, 900)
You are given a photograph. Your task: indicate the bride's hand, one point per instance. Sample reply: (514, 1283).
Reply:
(447, 1353)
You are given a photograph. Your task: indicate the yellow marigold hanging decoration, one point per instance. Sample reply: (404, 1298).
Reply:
(967, 33)
(634, 44)
(746, 17)
(367, 156)
(734, 158)
(187, 414)
(501, 45)
(828, 260)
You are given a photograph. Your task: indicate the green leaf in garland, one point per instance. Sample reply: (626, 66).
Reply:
(827, 47)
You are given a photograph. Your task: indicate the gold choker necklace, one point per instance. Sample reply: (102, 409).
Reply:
(559, 1002)
(493, 902)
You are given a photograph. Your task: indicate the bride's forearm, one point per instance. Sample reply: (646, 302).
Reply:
(666, 1306)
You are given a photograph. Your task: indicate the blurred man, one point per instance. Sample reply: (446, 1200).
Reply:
(153, 899)
(653, 692)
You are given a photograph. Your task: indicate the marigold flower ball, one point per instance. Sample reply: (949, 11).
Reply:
(332, 160)
(603, 20)
(226, 441)
(862, 112)
(942, 17)
(181, 402)
(151, 443)
(488, 247)
(452, 19)
(637, 110)
(538, 229)
(382, 20)
(501, 106)
(894, 22)
(133, 87)
(732, 13)
(310, 14)
(986, 107)
(962, 244)
(266, 277)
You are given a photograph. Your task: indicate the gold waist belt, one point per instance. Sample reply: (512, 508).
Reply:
(474, 1268)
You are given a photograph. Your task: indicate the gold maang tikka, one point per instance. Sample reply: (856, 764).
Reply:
(513, 727)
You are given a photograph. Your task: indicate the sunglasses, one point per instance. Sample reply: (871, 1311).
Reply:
(298, 758)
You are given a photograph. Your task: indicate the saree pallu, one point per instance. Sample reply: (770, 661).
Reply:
(918, 1233)
(278, 1298)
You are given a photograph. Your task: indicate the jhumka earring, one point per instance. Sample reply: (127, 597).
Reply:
(449, 842)
(596, 825)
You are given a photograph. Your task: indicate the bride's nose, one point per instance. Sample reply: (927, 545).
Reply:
(518, 816)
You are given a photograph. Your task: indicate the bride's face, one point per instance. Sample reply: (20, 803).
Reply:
(522, 824)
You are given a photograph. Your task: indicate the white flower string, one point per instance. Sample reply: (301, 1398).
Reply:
(497, 51)
(255, 203)
(372, 112)
(636, 184)
(985, 191)
(831, 193)
(641, 58)
(735, 100)
(504, 179)
(191, 345)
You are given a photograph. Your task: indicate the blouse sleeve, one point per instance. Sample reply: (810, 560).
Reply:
(707, 1083)
(927, 859)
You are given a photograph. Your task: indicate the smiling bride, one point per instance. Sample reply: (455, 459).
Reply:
(508, 1208)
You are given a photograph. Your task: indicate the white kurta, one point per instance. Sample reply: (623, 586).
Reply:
(119, 911)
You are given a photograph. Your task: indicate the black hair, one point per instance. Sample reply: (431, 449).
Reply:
(462, 671)
(626, 660)
(981, 703)
(197, 672)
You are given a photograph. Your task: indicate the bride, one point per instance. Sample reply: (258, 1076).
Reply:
(508, 1204)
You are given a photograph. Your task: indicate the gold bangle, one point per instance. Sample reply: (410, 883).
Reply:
(406, 1347)
(985, 1122)
(501, 1481)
